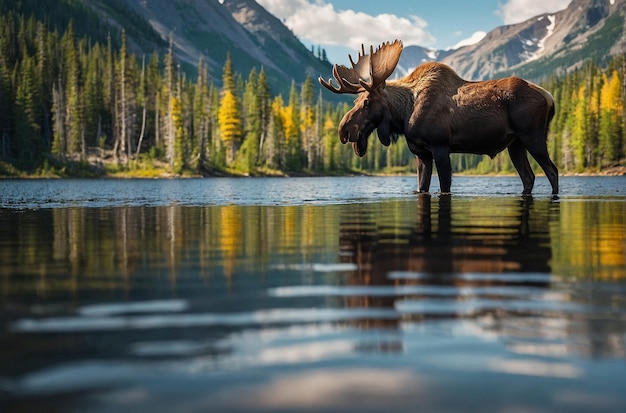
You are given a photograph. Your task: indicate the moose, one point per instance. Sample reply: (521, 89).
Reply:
(440, 113)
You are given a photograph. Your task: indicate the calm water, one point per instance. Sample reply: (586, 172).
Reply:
(312, 294)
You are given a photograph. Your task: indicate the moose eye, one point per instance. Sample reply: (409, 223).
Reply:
(366, 102)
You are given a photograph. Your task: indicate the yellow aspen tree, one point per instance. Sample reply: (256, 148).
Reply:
(330, 142)
(579, 129)
(229, 120)
(307, 122)
(610, 134)
(276, 137)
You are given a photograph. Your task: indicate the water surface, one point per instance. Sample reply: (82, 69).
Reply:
(312, 294)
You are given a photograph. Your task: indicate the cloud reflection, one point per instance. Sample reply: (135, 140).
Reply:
(328, 389)
(533, 367)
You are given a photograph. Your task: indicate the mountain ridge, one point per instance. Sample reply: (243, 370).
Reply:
(528, 47)
(210, 29)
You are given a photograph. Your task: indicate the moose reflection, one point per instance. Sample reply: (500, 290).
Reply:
(449, 238)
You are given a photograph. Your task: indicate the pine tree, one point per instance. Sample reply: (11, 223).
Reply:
(176, 111)
(307, 122)
(74, 106)
(153, 90)
(228, 74)
(202, 117)
(94, 104)
(265, 112)
(142, 101)
(46, 73)
(276, 136)
(167, 99)
(248, 153)
(27, 128)
(293, 161)
(59, 140)
(6, 90)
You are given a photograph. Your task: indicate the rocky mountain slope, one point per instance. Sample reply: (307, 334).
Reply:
(539, 46)
(210, 29)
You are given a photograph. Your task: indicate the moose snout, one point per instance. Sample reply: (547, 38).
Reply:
(348, 133)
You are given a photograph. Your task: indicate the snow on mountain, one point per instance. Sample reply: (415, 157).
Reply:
(540, 45)
(536, 47)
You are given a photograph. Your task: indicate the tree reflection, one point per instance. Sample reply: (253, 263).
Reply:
(218, 254)
(56, 254)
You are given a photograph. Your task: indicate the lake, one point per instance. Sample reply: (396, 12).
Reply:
(312, 295)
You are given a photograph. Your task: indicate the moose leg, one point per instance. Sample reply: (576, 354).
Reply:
(540, 153)
(517, 152)
(444, 169)
(424, 173)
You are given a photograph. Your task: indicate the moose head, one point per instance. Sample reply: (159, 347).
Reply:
(367, 78)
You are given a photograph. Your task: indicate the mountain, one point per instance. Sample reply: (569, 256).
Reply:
(413, 56)
(210, 29)
(538, 46)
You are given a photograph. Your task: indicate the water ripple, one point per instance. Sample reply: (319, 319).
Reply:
(187, 320)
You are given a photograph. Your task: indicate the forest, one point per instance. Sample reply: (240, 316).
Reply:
(72, 106)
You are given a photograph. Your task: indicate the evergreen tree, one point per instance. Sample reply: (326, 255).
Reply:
(202, 118)
(228, 74)
(264, 104)
(276, 137)
(74, 107)
(27, 128)
(307, 122)
(248, 152)
(293, 161)
(64, 95)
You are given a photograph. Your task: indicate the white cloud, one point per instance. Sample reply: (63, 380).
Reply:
(516, 11)
(473, 39)
(318, 22)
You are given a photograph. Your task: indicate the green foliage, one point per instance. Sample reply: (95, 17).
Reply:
(70, 105)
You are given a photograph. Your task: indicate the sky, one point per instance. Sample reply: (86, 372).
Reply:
(341, 26)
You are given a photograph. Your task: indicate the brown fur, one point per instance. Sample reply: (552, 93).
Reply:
(440, 113)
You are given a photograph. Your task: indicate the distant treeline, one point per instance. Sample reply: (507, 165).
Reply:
(67, 100)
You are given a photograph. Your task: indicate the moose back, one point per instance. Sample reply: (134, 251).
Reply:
(440, 113)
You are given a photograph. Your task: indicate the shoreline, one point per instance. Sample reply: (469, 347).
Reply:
(161, 173)
(296, 175)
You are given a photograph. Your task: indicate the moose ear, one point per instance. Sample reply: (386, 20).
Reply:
(384, 133)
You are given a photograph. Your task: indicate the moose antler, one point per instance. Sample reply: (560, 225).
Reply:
(369, 72)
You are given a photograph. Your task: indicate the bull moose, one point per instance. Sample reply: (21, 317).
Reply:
(440, 113)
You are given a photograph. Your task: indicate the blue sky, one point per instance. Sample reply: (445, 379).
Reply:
(340, 26)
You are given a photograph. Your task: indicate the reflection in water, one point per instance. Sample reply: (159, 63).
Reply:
(449, 251)
(492, 261)
(304, 307)
(492, 236)
(48, 254)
